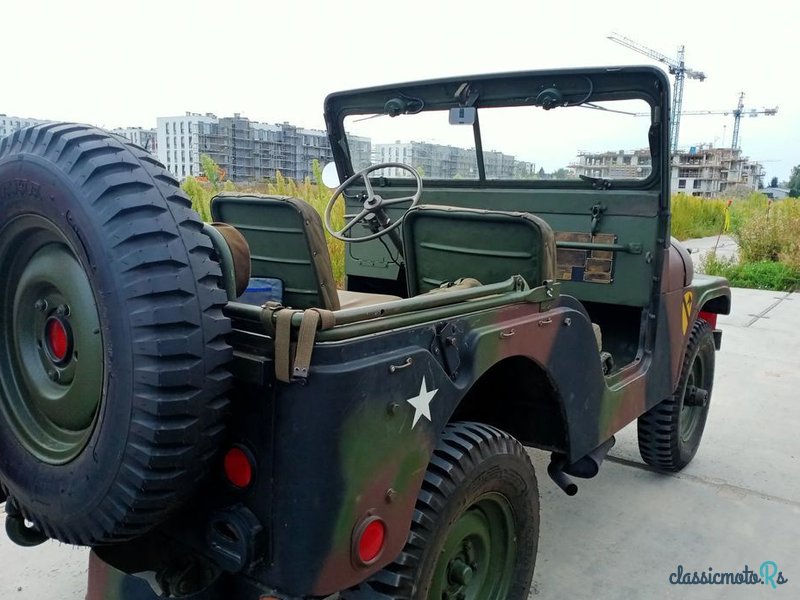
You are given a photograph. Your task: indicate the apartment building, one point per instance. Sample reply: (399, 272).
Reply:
(438, 161)
(246, 150)
(146, 138)
(10, 124)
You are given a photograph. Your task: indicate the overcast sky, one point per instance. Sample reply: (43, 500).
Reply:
(123, 64)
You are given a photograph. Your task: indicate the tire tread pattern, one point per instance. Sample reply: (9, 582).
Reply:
(658, 428)
(178, 331)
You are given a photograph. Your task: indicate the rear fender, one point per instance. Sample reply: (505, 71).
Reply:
(706, 297)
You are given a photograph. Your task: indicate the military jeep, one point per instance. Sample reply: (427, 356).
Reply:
(207, 442)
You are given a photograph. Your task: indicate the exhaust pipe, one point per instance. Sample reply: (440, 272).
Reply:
(585, 467)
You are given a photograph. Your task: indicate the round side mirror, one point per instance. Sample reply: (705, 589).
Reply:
(330, 176)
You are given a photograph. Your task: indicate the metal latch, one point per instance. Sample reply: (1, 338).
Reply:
(445, 347)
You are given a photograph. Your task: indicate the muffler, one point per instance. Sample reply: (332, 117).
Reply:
(585, 467)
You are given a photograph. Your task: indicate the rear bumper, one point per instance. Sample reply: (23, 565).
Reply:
(108, 583)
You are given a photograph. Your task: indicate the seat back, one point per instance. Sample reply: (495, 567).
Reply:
(286, 242)
(444, 243)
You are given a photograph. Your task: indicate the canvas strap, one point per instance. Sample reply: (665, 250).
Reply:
(293, 361)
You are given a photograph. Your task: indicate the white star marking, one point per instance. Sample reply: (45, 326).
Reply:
(422, 403)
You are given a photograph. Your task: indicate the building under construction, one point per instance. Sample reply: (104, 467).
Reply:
(702, 171)
(246, 150)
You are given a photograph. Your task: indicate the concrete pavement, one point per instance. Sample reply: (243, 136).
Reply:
(724, 245)
(736, 504)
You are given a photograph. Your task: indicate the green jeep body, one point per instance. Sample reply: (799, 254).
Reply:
(351, 440)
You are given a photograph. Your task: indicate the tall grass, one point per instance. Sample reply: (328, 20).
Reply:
(696, 217)
(768, 231)
(768, 236)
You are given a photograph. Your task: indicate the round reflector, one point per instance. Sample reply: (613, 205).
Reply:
(57, 339)
(238, 468)
(371, 540)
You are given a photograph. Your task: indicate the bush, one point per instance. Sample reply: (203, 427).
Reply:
(768, 231)
(761, 275)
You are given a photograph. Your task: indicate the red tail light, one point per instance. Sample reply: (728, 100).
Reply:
(238, 467)
(370, 539)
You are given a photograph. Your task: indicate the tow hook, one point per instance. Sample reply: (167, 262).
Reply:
(17, 529)
(696, 396)
(585, 467)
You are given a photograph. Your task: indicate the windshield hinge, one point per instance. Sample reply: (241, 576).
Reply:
(598, 183)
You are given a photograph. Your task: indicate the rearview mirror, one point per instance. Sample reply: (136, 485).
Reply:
(463, 115)
(330, 176)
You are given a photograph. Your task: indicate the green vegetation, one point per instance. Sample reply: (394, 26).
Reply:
(696, 217)
(761, 275)
(794, 182)
(768, 235)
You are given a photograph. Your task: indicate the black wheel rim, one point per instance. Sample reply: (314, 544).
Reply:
(51, 364)
(691, 415)
(477, 559)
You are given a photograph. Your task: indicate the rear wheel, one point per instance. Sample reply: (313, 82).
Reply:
(670, 432)
(476, 526)
(112, 339)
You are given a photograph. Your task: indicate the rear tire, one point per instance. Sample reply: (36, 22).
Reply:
(112, 338)
(670, 432)
(475, 530)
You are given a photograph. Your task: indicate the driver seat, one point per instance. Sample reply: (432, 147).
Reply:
(287, 242)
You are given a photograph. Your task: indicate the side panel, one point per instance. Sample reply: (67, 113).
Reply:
(355, 441)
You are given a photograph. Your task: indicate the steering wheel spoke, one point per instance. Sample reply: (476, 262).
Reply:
(392, 201)
(372, 204)
(352, 222)
(368, 186)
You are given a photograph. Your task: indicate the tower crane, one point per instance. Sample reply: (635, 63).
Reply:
(677, 68)
(737, 113)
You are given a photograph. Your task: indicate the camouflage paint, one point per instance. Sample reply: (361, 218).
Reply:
(330, 450)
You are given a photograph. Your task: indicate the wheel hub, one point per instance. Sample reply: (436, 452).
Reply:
(51, 361)
(477, 560)
(459, 572)
(58, 340)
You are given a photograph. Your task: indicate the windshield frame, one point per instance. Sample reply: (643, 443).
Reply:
(577, 86)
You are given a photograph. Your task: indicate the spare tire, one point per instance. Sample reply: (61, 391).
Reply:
(113, 357)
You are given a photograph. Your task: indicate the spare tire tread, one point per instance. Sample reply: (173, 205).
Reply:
(179, 406)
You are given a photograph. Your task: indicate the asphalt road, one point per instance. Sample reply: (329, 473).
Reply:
(737, 504)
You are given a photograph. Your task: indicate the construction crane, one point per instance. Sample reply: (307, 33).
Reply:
(677, 68)
(737, 113)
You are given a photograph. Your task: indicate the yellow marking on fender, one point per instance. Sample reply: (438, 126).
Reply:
(687, 310)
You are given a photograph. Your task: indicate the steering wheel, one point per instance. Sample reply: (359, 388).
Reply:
(374, 204)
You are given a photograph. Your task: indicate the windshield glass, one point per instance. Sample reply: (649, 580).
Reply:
(600, 139)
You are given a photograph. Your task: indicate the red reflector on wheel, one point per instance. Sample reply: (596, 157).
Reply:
(371, 540)
(57, 340)
(238, 468)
